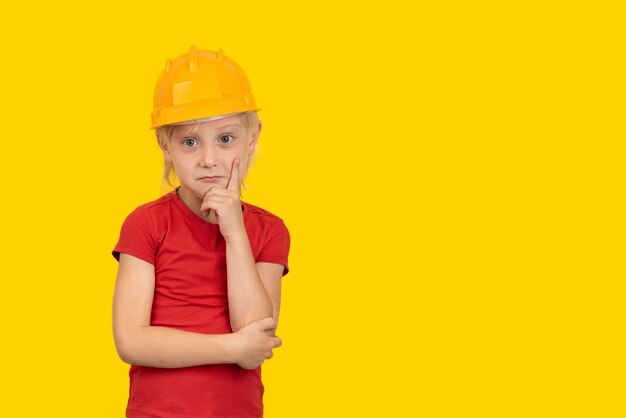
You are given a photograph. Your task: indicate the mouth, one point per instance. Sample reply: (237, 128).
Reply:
(209, 179)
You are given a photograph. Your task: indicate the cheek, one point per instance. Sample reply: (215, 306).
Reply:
(240, 153)
(243, 161)
(181, 161)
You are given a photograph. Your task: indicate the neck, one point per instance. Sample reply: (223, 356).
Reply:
(191, 201)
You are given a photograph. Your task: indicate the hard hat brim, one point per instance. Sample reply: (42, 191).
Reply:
(209, 119)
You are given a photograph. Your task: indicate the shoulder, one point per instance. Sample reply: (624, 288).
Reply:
(263, 219)
(269, 236)
(150, 212)
(260, 213)
(155, 206)
(142, 230)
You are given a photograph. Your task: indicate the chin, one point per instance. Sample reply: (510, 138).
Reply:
(201, 189)
(194, 190)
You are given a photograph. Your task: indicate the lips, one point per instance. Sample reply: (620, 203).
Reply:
(209, 179)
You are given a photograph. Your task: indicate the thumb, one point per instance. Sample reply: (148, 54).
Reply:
(277, 342)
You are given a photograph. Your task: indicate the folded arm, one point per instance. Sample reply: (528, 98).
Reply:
(139, 343)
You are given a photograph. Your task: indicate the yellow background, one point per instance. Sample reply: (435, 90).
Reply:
(452, 177)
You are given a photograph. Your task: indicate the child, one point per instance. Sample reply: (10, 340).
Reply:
(197, 294)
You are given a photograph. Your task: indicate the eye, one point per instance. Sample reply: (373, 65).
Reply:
(189, 142)
(226, 136)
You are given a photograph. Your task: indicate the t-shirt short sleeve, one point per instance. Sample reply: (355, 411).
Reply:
(137, 237)
(276, 248)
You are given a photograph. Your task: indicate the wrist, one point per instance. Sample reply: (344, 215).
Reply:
(234, 347)
(236, 236)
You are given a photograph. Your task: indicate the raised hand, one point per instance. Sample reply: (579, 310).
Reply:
(223, 205)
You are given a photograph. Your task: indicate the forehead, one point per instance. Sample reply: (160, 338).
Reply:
(231, 122)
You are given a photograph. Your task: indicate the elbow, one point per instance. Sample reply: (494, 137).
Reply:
(125, 357)
(124, 351)
(126, 347)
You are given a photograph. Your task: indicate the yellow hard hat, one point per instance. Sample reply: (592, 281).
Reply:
(200, 86)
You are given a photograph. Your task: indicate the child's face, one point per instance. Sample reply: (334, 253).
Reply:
(209, 152)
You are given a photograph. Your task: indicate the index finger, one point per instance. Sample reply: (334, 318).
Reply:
(233, 181)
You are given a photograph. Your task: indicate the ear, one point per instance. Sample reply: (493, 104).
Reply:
(166, 153)
(254, 137)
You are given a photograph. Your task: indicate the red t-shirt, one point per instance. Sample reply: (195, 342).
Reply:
(189, 255)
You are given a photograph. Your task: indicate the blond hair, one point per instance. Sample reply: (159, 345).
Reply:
(169, 180)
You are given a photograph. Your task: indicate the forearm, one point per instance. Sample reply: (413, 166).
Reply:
(164, 347)
(248, 299)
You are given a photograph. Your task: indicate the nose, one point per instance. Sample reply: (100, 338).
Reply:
(209, 158)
